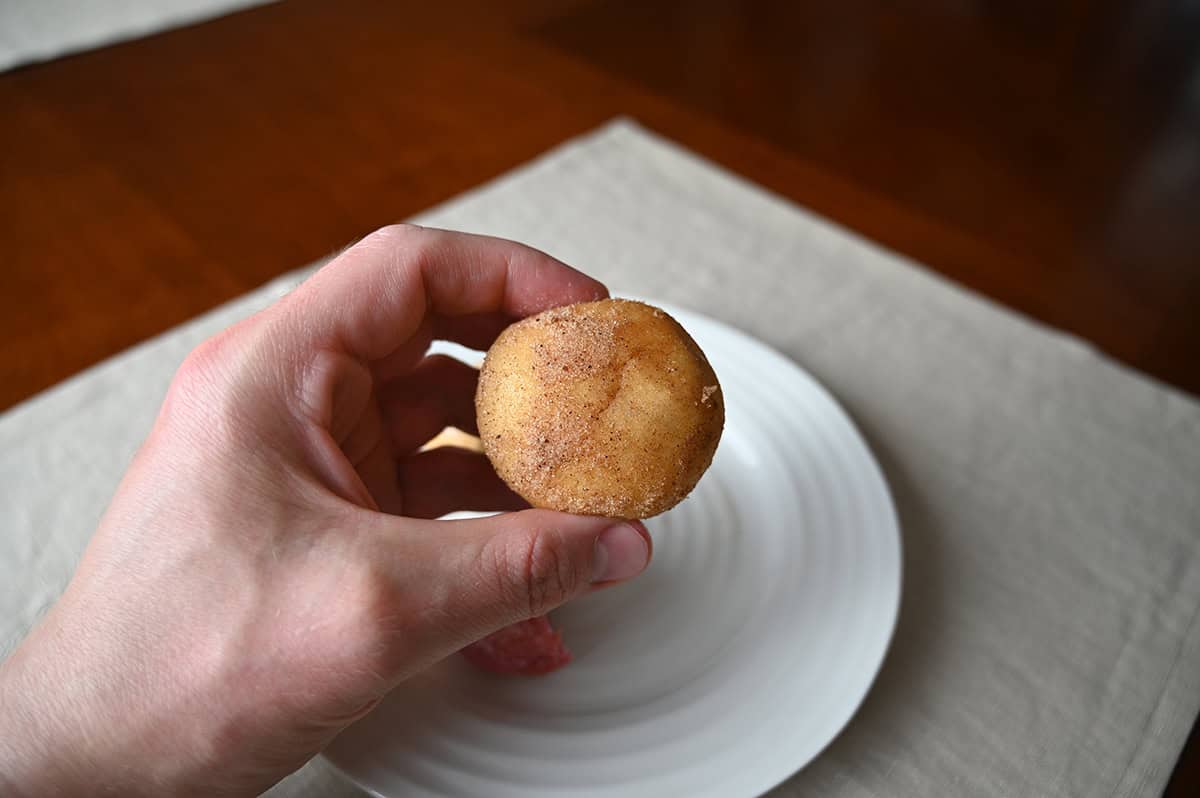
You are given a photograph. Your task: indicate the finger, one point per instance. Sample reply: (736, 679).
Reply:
(438, 393)
(448, 479)
(477, 331)
(405, 357)
(378, 473)
(517, 566)
(480, 575)
(374, 296)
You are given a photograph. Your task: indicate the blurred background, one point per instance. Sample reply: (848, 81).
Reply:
(1045, 153)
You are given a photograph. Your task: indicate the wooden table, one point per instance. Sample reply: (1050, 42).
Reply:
(1046, 154)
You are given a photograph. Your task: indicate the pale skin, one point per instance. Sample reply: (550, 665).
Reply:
(268, 569)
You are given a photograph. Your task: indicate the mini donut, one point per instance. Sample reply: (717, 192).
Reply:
(600, 408)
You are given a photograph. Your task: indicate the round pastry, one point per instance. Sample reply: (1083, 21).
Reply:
(600, 408)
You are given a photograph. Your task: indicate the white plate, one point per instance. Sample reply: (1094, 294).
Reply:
(722, 670)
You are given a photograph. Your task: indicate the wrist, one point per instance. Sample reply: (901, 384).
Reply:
(48, 746)
(53, 742)
(30, 762)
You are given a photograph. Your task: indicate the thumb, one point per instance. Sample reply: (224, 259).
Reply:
(496, 571)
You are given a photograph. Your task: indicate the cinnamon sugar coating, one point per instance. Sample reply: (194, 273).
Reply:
(600, 408)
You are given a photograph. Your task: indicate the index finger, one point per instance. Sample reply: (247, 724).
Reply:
(373, 297)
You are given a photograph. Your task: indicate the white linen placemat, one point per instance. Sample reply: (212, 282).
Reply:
(1047, 642)
(38, 30)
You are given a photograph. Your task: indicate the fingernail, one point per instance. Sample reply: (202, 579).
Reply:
(621, 552)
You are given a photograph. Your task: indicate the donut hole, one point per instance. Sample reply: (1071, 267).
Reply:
(600, 408)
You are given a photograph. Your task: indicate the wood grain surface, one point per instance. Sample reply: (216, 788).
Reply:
(1046, 154)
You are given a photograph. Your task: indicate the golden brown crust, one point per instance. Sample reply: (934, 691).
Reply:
(600, 408)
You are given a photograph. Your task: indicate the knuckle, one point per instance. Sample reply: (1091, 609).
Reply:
(199, 375)
(392, 235)
(542, 571)
(220, 383)
(411, 248)
(202, 361)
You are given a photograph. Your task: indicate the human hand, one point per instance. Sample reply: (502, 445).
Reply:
(263, 575)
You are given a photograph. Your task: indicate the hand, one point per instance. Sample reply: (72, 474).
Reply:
(262, 577)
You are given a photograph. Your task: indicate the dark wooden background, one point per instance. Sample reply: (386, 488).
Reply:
(1043, 152)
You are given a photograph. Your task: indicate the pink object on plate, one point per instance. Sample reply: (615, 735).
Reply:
(528, 648)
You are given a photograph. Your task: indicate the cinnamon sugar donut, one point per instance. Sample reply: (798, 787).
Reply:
(600, 408)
